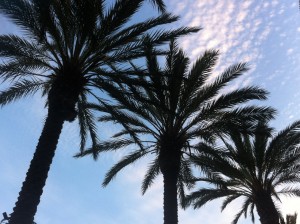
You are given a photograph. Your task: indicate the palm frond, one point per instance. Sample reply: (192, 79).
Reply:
(290, 191)
(239, 96)
(228, 200)
(87, 125)
(23, 14)
(196, 79)
(237, 216)
(151, 174)
(159, 4)
(129, 159)
(105, 146)
(204, 195)
(20, 89)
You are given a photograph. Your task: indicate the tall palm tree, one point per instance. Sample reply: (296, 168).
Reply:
(69, 48)
(179, 108)
(258, 168)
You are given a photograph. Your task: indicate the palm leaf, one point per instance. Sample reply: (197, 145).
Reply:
(151, 174)
(129, 159)
(20, 89)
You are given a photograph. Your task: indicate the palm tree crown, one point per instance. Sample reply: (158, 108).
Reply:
(258, 168)
(179, 106)
(76, 44)
(70, 47)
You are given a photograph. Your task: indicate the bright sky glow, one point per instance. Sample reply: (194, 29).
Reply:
(264, 33)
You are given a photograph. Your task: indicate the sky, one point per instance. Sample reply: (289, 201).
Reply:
(266, 34)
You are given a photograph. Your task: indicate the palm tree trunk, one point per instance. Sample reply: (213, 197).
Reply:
(169, 162)
(62, 100)
(266, 209)
(170, 197)
(32, 189)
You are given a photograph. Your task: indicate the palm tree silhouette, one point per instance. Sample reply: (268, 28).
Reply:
(70, 47)
(169, 118)
(258, 168)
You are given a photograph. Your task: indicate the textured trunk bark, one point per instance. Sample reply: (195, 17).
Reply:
(266, 209)
(170, 198)
(32, 189)
(62, 100)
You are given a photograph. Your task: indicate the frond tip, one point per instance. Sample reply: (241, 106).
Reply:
(129, 159)
(20, 89)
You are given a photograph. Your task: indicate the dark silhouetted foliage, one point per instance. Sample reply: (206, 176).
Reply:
(258, 168)
(174, 116)
(70, 47)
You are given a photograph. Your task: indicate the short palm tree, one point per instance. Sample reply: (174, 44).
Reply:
(70, 47)
(258, 168)
(179, 108)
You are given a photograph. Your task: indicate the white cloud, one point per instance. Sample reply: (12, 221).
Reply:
(290, 51)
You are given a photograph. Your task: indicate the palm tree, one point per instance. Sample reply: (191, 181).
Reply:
(179, 106)
(70, 47)
(258, 168)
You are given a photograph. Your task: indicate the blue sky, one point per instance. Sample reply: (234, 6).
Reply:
(264, 33)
